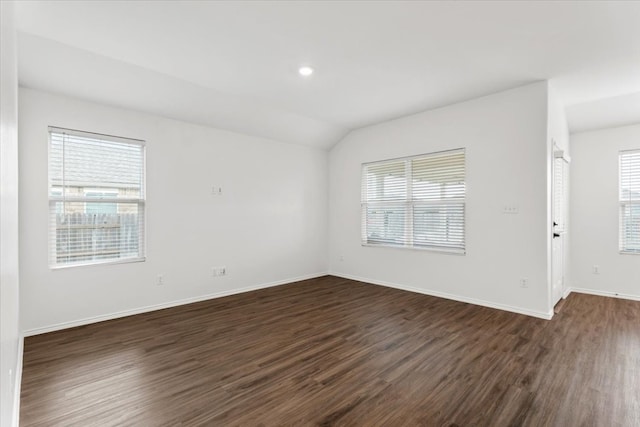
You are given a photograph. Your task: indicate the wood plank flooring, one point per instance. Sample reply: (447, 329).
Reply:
(332, 351)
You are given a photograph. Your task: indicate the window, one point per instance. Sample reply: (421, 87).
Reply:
(96, 198)
(630, 201)
(415, 202)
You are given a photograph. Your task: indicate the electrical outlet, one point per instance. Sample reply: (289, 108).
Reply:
(510, 209)
(524, 282)
(160, 280)
(596, 269)
(216, 191)
(341, 258)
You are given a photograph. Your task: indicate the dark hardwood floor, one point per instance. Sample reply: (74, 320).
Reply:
(331, 351)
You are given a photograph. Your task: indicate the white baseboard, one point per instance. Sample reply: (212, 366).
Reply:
(566, 293)
(518, 310)
(124, 313)
(605, 294)
(18, 383)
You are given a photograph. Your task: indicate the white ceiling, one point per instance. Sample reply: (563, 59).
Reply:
(233, 65)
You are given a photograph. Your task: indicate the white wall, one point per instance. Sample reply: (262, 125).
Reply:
(270, 224)
(10, 351)
(595, 215)
(505, 135)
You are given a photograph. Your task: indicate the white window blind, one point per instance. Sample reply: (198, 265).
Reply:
(415, 202)
(96, 198)
(560, 185)
(630, 201)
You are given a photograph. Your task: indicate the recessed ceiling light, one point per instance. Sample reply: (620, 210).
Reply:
(305, 71)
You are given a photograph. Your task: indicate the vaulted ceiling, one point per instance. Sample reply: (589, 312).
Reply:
(233, 65)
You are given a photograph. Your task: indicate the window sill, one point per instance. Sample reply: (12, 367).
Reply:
(417, 248)
(629, 252)
(96, 263)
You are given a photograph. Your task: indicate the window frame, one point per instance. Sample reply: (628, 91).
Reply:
(622, 204)
(409, 204)
(140, 201)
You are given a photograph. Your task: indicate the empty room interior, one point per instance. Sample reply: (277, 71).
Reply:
(358, 213)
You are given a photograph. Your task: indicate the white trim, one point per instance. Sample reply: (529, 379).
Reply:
(124, 313)
(18, 383)
(436, 249)
(605, 294)
(566, 293)
(625, 252)
(100, 262)
(518, 310)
